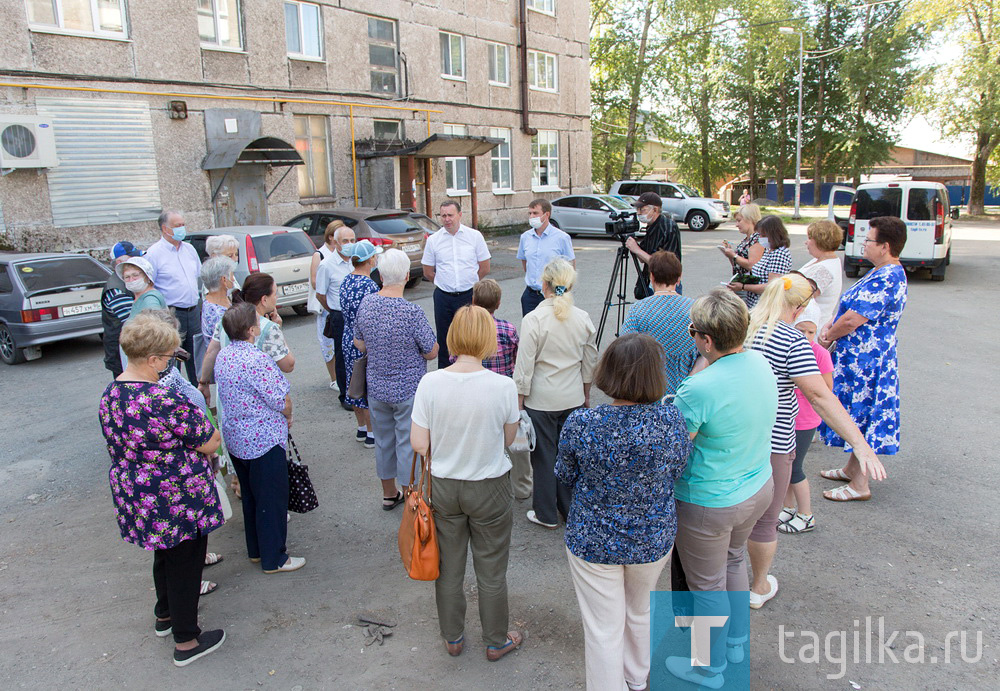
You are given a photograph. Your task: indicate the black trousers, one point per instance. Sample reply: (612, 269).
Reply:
(550, 498)
(445, 306)
(335, 327)
(177, 579)
(264, 486)
(530, 299)
(190, 329)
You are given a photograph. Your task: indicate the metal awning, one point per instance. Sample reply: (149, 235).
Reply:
(266, 150)
(439, 146)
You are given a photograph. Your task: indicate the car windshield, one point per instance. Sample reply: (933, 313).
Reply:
(394, 224)
(878, 201)
(281, 246)
(62, 273)
(687, 189)
(426, 223)
(615, 202)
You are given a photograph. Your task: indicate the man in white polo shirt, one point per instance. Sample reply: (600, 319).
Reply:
(455, 257)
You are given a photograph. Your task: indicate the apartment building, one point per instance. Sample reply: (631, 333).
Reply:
(252, 111)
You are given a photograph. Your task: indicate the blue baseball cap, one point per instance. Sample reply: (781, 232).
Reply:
(122, 249)
(362, 250)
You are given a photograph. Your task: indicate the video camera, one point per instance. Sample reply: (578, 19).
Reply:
(623, 224)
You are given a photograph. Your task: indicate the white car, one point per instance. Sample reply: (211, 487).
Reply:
(680, 201)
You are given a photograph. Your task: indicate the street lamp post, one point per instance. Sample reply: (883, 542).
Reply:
(798, 129)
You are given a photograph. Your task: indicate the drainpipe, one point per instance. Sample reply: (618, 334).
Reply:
(522, 55)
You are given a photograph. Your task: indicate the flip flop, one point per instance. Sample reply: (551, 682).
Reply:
(211, 558)
(208, 587)
(455, 647)
(845, 493)
(837, 474)
(514, 639)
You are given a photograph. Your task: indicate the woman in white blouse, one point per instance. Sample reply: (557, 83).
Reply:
(823, 240)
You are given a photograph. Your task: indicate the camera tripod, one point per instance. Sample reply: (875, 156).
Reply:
(619, 281)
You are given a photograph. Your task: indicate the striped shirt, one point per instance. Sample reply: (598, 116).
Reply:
(666, 318)
(790, 355)
(117, 302)
(777, 261)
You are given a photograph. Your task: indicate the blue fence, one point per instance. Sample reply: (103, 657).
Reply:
(957, 194)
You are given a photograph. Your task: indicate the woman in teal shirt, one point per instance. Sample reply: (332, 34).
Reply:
(729, 408)
(138, 275)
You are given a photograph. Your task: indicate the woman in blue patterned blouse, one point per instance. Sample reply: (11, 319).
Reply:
(621, 461)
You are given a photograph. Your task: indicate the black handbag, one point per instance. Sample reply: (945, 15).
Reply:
(301, 494)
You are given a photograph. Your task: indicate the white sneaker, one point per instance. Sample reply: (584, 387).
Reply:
(534, 519)
(757, 601)
(293, 564)
(333, 385)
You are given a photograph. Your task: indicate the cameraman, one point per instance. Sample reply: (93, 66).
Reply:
(661, 234)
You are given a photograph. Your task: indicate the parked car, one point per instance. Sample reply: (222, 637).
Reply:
(426, 222)
(680, 201)
(923, 206)
(46, 298)
(386, 228)
(285, 254)
(586, 214)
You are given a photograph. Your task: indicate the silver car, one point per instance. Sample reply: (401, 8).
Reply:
(586, 214)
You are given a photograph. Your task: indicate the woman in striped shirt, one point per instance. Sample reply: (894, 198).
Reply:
(775, 261)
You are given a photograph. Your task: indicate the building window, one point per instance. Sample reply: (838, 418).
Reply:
(90, 17)
(456, 170)
(638, 156)
(383, 55)
(311, 143)
(500, 160)
(545, 160)
(663, 158)
(543, 6)
(541, 71)
(452, 56)
(388, 130)
(499, 64)
(303, 30)
(219, 23)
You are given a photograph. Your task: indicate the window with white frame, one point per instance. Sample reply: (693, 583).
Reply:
(545, 160)
(388, 130)
(312, 143)
(542, 71)
(452, 56)
(383, 55)
(456, 169)
(499, 56)
(544, 6)
(303, 30)
(219, 24)
(88, 17)
(500, 161)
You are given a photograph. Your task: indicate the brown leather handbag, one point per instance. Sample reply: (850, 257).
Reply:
(418, 545)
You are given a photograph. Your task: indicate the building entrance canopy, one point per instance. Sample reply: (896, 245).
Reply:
(441, 146)
(265, 150)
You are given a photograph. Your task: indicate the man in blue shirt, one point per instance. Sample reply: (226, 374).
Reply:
(539, 245)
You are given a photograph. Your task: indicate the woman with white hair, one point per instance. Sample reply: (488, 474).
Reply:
(555, 366)
(219, 281)
(138, 275)
(399, 341)
(223, 246)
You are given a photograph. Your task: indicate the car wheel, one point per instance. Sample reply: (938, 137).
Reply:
(697, 221)
(947, 258)
(554, 223)
(9, 352)
(301, 310)
(852, 270)
(414, 282)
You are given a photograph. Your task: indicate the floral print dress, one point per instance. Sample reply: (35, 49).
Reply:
(865, 368)
(163, 490)
(353, 290)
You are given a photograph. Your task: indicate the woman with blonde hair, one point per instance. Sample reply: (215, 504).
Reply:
(553, 373)
(749, 251)
(792, 360)
(823, 239)
(775, 261)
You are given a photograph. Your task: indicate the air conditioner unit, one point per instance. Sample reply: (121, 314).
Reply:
(27, 141)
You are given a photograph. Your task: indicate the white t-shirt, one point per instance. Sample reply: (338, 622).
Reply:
(466, 414)
(455, 258)
(829, 277)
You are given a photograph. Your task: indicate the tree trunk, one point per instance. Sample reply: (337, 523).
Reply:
(985, 143)
(703, 124)
(634, 95)
(752, 127)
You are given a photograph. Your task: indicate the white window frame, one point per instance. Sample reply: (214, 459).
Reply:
(539, 6)
(309, 154)
(505, 134)
(533, 72)
(536, 160)
(58, 28)
(395, 47)
(399, 129)
(444, 75)
(302, 38)
(208, 45)
(491, 52)
(453, 162)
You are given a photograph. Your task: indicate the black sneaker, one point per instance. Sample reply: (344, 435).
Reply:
(163, 628)
(208, 642)
(369, 442)
(361, 435)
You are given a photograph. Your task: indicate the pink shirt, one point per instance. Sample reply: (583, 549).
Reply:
(807, 417)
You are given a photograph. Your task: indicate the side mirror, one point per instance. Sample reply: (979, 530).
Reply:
(954, 212)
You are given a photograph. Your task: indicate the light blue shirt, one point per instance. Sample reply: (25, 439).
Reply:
(538, 250)
(329, 275)
(177, 272)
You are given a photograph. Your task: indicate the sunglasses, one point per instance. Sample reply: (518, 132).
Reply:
(693, 331)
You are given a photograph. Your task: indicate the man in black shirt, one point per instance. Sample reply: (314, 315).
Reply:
(662, 233)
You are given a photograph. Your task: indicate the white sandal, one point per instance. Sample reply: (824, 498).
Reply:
(845, 493)
(836, 474)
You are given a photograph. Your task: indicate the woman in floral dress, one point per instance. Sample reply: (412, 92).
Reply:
(866, 374)
(161, 480)
(354, 288)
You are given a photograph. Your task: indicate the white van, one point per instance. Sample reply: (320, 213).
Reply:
(923, 206)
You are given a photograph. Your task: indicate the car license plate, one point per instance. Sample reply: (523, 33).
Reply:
(295, 289)
(412, 247)
(71, 310)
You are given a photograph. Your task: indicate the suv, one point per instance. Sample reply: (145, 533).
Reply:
(923, 206)
(680, 201)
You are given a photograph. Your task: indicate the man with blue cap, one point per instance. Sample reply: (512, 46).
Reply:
(116, 302)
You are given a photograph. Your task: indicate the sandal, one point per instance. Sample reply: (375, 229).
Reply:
(845, 493)
(211, 558)
(514, 639)
(786, 515)
(797, 524)
(836, 474)
(389, 503)
(208, 587)
(455, 647)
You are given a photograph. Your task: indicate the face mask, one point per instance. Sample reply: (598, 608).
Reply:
(231, 288)
(643, 218)
(180, 232)
(161, 374)
(535, 222)
(136, 284)
(765, 243)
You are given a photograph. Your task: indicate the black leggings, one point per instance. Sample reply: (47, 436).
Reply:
(177, 578)
(803, 438)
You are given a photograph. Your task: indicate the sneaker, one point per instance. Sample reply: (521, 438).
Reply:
(208, 642)
(534, 519)
(681, 668)
(757, 601)
(369, 441)
(361, 435)
(163, 628)
(798, 524)
(786, 515)
(735, 653)
(333, 385)
(293, 564)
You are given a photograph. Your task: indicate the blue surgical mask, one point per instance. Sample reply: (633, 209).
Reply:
(180, 232)
(643, 218)
(765, 243)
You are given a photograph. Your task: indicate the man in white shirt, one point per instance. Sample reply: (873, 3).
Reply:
(539, 245)
(455, 258)
(329, 276)
(178, 270)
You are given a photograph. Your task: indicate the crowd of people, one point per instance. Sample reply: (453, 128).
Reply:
(696, 463)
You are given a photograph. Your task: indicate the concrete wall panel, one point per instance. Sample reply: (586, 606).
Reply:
(76, 55)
